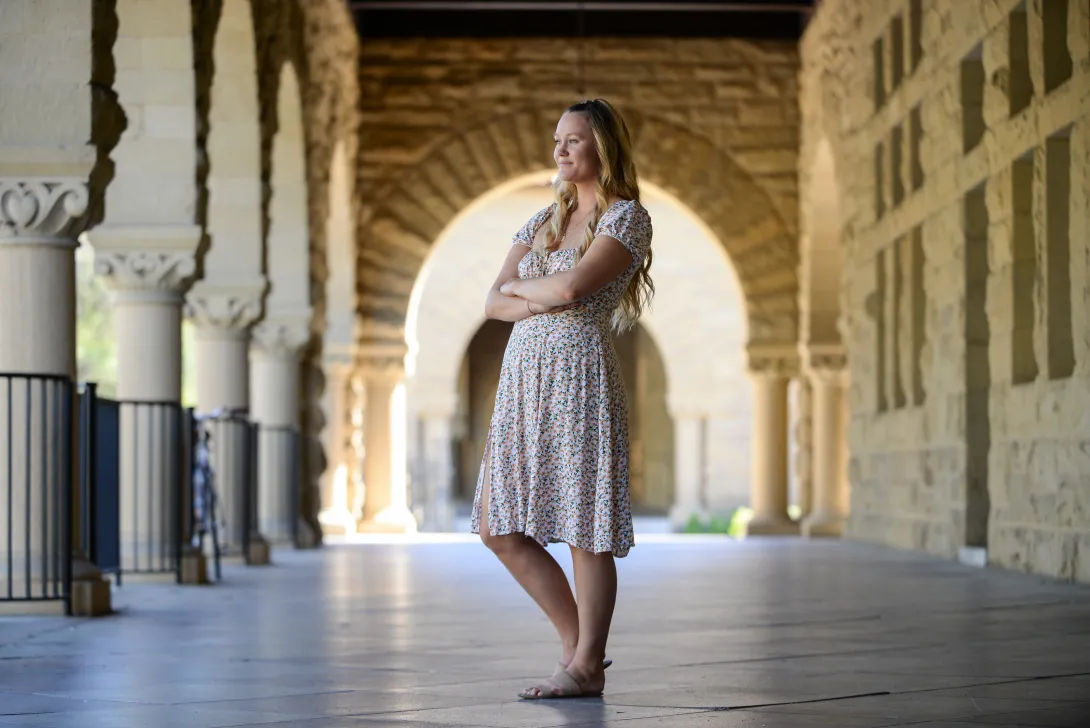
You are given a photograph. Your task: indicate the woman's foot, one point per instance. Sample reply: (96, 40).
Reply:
(572, 682)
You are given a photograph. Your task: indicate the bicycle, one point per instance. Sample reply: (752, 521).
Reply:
(205, 497)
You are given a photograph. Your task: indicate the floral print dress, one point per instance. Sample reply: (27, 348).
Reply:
(557, 449)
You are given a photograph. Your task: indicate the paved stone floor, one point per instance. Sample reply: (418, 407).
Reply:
(776, 633)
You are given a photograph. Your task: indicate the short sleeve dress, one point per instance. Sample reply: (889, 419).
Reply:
(557, 448)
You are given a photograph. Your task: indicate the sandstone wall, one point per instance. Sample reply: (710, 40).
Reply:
(960, 133)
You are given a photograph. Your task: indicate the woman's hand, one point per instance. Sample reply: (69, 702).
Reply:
(508, 288)
(541, 308)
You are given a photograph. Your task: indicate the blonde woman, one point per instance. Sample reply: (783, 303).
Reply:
(555, 466)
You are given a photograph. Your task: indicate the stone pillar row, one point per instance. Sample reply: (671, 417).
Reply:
(825, 509)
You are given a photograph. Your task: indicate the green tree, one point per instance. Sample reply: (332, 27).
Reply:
(96, 350)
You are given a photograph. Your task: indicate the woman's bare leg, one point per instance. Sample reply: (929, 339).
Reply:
(596, 587)
(538, 573)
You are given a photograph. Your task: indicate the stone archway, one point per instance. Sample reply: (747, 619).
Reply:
(706, 393)
(399, 228)
(414, 204)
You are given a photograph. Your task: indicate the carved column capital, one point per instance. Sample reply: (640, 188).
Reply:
(826, 363)
(40, 209)
(146, 259)
(281, 336)
(227, 305)
(382, 361)
(773, 360)
(338, 356)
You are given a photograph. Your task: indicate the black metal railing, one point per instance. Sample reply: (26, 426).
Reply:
(250, 496)
(37, 482)
(132, 483)
(100, 480)
(152, 508)
(279, 456)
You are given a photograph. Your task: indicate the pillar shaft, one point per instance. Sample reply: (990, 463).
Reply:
(438, 471)
(223, 369)
(337, 492)
(37, 340)
(688, 469)
(274, 362)
(379, 393)
(384, 505)
(770, 375)
(830, 456)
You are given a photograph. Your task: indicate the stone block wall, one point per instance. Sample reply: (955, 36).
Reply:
(961, 138)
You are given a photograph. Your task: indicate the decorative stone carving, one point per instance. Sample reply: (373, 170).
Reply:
(42, 208)
(386, 369)
(281, 336)
(224, 306)
(138, 258)
(828, 363)
(146, 270)
(382, 360)
(779, 360)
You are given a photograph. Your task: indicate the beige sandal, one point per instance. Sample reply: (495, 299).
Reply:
(561, 667)
(560, 685)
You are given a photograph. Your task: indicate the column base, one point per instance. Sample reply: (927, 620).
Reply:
(194, 567)
(91, 598)
(259, 552)
(309, 536)
(772, 526)
(823, 525)
(391, 520)
(337, 522)
(90, 591)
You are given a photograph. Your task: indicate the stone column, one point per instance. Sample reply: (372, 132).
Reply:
(830, 506)
(274, 361)
(436, 484)
(223, 315)
(770, 371)
(384, 503)
(804, 442)
(40, 217)
(337, 496)
(147, 269)
(688, 468)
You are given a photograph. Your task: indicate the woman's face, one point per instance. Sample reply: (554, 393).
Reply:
(574, 153)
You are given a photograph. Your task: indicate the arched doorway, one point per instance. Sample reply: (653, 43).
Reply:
(651, 430)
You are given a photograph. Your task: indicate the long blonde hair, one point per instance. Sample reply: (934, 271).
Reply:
(616, 179)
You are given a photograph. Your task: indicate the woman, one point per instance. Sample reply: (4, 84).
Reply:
(555, 466)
